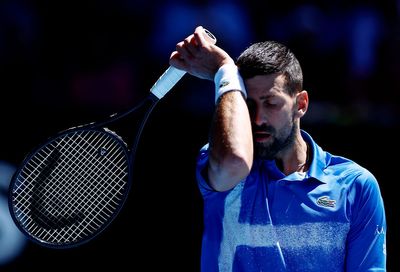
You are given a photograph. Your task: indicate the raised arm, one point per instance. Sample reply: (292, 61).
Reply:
(231, 142)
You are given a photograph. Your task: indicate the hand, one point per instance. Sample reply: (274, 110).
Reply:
(199, 57)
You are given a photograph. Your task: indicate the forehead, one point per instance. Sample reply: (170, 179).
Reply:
(273, 84)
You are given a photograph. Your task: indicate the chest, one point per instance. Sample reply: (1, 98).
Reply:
(282, 202)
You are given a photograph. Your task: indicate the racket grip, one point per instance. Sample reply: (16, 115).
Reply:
(172, 75)
(166, 81)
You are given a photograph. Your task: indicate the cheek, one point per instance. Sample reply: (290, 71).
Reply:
(283, 117)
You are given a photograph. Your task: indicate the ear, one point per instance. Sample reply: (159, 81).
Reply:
(301, 103)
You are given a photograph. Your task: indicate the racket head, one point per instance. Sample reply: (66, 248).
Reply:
(69, 189)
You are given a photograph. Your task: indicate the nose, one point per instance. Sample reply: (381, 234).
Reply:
(258, 116)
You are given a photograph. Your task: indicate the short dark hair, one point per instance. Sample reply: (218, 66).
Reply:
(271, 57)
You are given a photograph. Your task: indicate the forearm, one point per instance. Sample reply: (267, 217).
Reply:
(231, 143)
(231, 147)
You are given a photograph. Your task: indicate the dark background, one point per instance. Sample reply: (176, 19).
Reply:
(65, 63)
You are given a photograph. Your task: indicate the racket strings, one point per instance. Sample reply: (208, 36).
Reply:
(71, 171)
(83, 186)
(81, 170)
(84, 208)
(68, 206)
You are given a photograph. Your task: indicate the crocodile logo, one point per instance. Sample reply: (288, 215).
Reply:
(325, 201)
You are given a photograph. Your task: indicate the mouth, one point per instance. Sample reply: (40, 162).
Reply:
(261, 136)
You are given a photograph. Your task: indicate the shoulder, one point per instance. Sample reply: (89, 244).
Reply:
(346, 168)
(361, 182)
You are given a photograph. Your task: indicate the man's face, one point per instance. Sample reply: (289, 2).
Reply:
(272, 112)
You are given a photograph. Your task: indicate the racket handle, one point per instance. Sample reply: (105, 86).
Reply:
(172, 75)
(166, 81)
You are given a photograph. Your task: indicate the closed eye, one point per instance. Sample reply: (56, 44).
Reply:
(269, 104)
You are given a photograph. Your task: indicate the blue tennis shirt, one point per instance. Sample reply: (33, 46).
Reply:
(330, 218)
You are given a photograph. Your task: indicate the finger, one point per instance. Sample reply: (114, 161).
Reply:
(191, 45)
(176, 61)
(198, 35)
(182, 49)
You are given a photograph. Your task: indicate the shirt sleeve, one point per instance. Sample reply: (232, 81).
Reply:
(366, 241)
(202, 162)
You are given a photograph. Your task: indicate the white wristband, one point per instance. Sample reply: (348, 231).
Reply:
(228, 79)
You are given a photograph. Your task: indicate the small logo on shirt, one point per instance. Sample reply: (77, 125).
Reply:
(224, 83)
(379, 230)
(324, 201)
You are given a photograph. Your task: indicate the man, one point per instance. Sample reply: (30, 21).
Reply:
(273, 199)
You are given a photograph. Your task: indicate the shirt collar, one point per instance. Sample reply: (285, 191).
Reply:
(320, 161)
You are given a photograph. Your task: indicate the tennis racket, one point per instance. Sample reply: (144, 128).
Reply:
(70, 188)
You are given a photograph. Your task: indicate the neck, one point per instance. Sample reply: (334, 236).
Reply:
(296, 159)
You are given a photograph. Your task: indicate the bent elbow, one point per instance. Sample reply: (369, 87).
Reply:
(226, 174)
